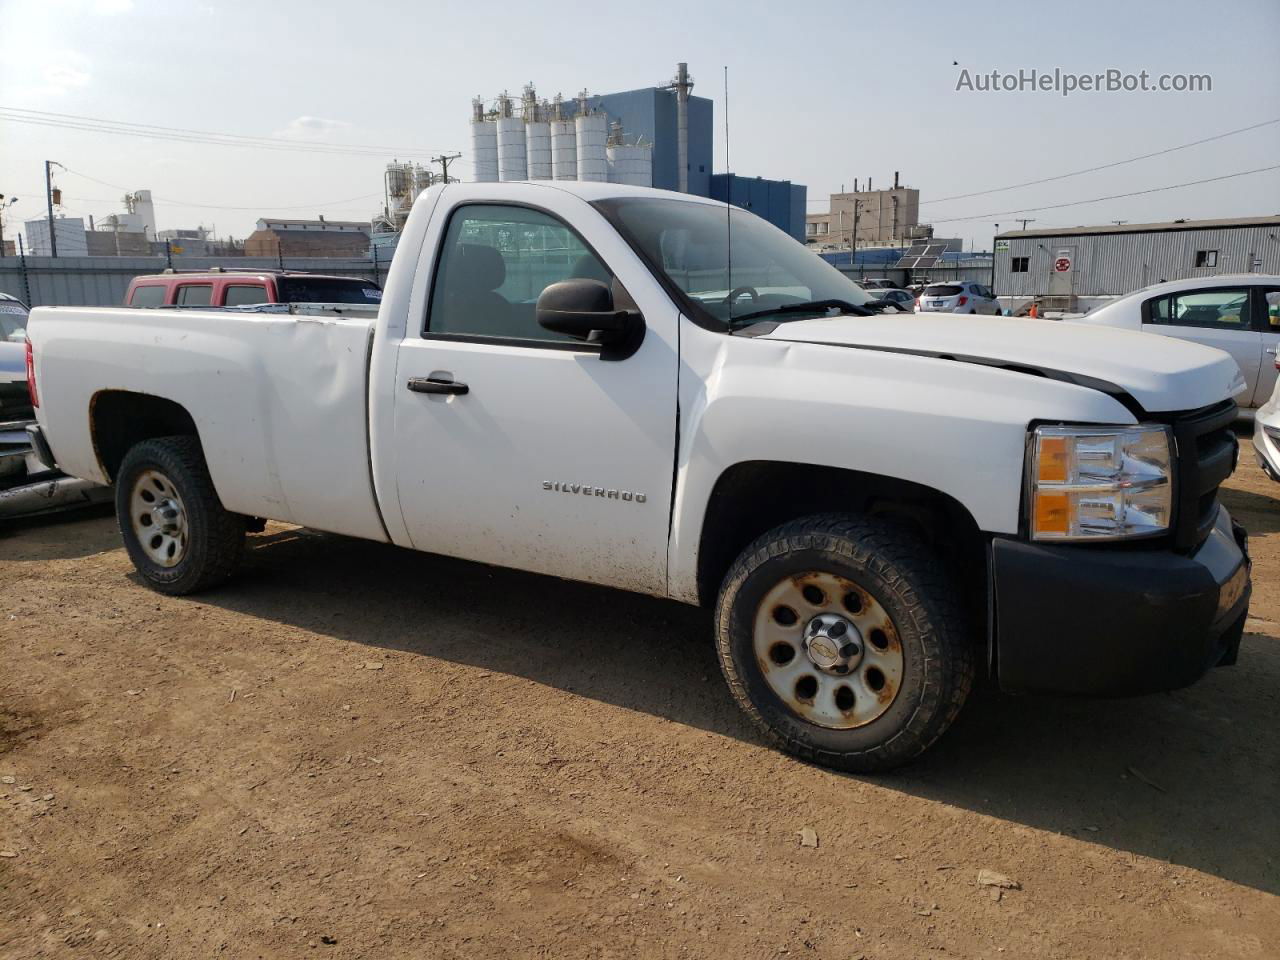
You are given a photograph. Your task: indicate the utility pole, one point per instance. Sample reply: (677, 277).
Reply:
(994, 242)
(48, 194)
(1024, 221)
(444, 160)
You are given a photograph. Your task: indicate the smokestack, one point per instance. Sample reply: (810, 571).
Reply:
(895, 179)
(683, 85)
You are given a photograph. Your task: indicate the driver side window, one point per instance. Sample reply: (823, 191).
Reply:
(495, 262)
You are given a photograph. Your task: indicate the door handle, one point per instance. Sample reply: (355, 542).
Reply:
(1272, 350)
(432, 385)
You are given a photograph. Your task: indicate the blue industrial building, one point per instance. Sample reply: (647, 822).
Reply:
(649, 115)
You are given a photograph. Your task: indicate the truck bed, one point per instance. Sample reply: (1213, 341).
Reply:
(280, 401)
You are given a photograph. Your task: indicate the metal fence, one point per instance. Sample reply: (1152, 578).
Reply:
(103, 281)
(939, 273)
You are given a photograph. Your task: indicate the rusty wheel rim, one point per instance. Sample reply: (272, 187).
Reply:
(828, 650)
(159, 518)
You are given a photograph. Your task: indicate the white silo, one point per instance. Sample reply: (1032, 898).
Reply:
(512, 156)
(564, 150)
(538, 138)
(484, 144)
(631, 164)
(592, 133)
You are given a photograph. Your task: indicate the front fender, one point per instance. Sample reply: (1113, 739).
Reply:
(957, 428)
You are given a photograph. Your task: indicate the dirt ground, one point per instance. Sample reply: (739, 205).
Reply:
(358, 751)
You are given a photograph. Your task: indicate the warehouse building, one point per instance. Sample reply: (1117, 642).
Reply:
(308, 238)
(1116, 259)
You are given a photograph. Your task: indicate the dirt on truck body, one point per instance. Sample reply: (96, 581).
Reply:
(358, 751)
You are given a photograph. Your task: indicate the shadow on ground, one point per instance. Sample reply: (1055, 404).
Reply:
(45, 537)
(1191, 777)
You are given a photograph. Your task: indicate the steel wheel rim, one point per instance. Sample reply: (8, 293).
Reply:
(159, 518)
(845, 663)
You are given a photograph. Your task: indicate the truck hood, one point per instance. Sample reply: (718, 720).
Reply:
(1160, 373)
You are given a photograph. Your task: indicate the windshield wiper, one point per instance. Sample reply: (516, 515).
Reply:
(806, 306)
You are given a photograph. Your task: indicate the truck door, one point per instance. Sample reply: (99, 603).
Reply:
(553, 459)
(1217, 317)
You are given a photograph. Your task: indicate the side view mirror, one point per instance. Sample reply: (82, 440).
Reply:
(584, 309)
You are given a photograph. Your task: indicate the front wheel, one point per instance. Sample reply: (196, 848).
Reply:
(841, 637)
(175, 529)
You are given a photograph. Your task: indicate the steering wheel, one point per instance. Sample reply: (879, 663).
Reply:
(736, 292)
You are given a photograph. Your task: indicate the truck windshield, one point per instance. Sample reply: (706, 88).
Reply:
(327, 290)
(729, 264)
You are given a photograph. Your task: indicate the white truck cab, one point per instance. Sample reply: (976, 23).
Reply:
(654, 392)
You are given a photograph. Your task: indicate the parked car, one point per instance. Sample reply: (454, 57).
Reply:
(958, 296)
(899, 298)
(877, 283)
(14, 401)
(232, 288)
(1266, 434)
(876, 506)
(1237, 313)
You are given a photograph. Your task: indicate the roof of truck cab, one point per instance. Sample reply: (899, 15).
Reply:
(587, 190)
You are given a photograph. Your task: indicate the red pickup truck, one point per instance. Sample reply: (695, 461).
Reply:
(235, 288)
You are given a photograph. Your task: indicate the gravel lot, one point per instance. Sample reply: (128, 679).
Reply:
(358, 751)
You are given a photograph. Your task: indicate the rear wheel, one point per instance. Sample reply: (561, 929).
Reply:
(842, 639)
(175, 529)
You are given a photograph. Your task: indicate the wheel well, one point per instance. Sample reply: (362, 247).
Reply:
(120, 419)
(752, 498)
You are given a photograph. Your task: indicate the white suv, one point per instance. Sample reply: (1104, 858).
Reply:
(960, 296)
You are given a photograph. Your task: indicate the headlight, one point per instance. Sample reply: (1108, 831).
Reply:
(1099, 483)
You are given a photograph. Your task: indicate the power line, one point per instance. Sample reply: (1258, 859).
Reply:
(186, 135)
(1104, 166)
(1114, 196)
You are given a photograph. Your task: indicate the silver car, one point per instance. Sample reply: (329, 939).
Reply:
(957, 296)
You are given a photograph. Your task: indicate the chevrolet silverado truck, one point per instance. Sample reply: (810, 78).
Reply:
(656, 393)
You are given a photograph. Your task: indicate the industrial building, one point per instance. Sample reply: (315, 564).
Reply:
(655, 136)
(1116, 259)
(867, 217)
(68, 233)
(308, 238)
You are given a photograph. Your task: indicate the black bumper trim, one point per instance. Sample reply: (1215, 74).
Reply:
(1084, 621)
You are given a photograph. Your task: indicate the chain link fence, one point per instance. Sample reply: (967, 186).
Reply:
(103, 281)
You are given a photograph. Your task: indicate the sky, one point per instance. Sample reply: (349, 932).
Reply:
(820, 93)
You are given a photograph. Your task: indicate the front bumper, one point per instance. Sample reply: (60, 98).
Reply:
(1266, 448)
(1084, 621)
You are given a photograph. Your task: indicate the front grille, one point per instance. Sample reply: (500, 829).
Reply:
(1206, 450)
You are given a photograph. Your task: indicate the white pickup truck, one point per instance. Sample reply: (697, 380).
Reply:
(649, 391)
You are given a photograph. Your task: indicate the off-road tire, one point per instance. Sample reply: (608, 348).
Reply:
(904, 576)
(215, 537)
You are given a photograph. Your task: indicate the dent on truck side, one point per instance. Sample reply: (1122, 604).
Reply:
(953, 428)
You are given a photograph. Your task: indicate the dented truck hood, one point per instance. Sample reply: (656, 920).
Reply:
(1160, 373)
